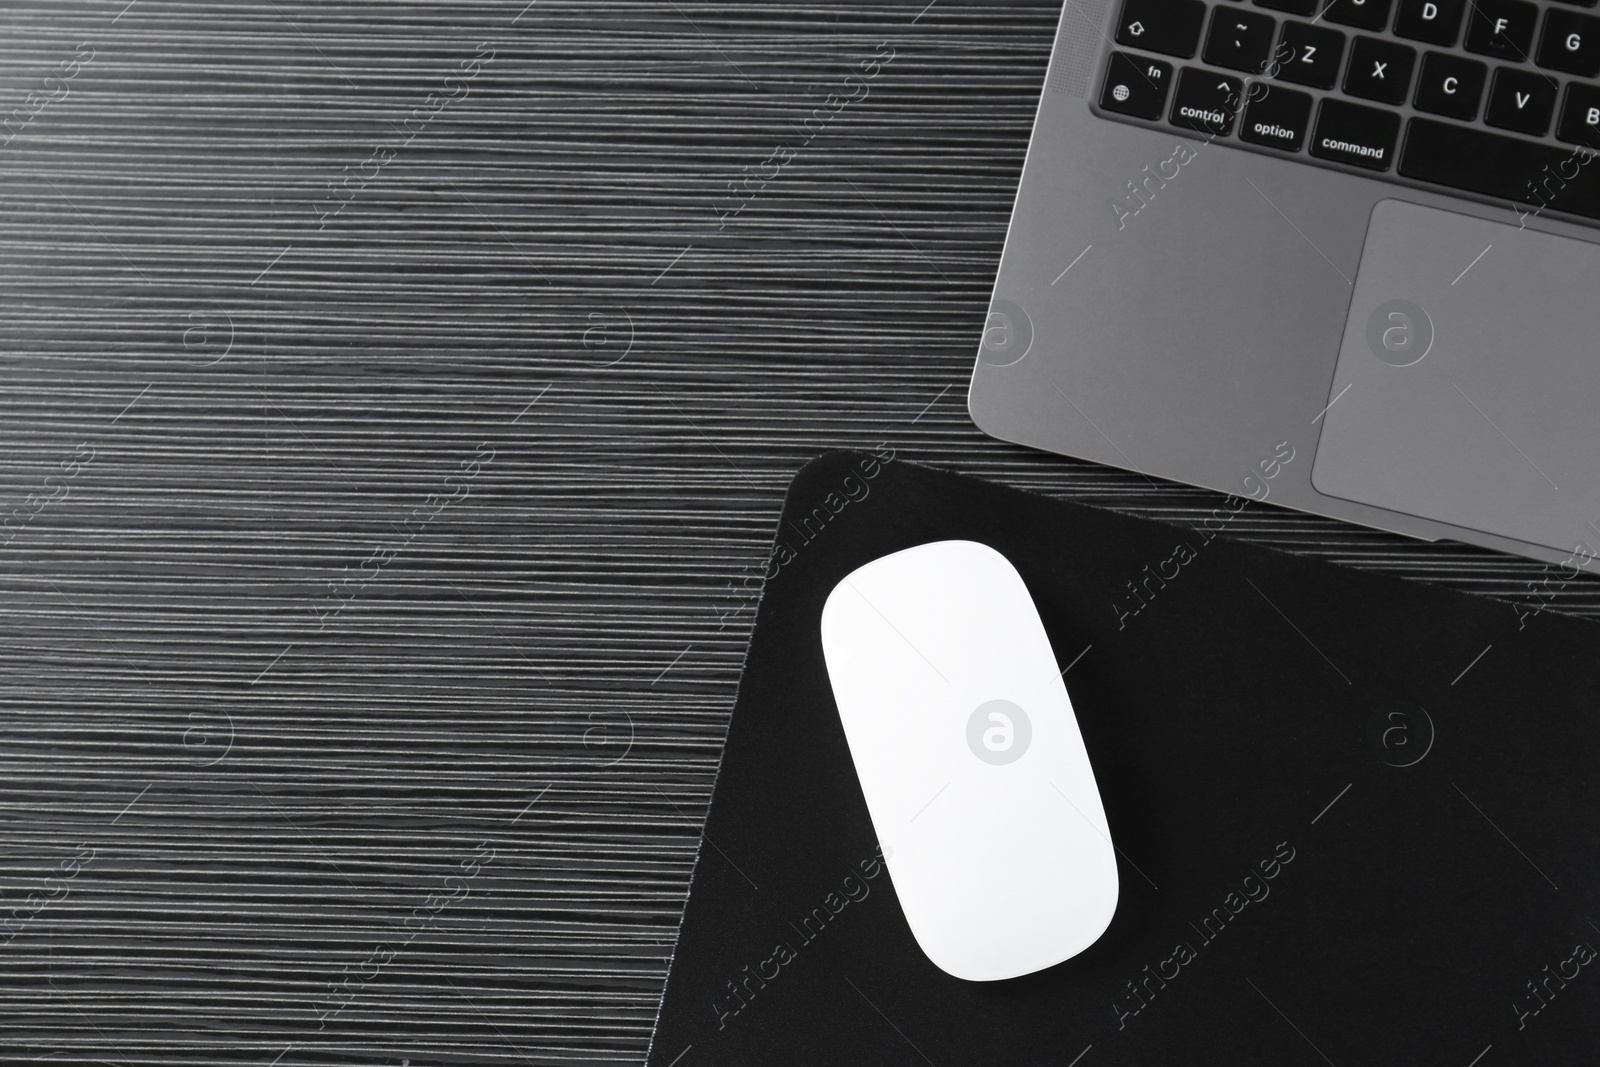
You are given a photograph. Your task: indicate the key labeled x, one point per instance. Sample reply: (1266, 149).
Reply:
(1379, 70)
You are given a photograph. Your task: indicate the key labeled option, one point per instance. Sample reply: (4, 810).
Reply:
(1278, 120)
(1206, 101)
(1520, 100)
(1451, 86)
(1360, 136)
(1136, 86)
(1171, 27)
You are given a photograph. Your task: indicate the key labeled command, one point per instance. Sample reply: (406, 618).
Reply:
(1350, 133)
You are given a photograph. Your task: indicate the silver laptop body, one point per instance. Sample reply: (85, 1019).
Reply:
(1347, 289)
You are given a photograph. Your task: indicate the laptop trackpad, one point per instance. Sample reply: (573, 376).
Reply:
(1468, 384)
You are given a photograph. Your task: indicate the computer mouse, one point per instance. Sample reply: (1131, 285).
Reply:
(975, 774)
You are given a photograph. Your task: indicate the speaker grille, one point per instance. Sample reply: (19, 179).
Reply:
(1078, 42)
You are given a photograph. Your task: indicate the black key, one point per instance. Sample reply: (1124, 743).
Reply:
(1309, 55)
(1502, 28)
(1434, 21)
(1171, 27)
(1278, 119)
(1450, 85)
(1463, 157)
(1520, 100)
(1293, 7)
(1580, 116)
(1379, 70)
(1362, 14)
(1350, 133)
(1239, 39)
(1571, 42)
(1136, 86)
(1583, 3)
(1206, 101)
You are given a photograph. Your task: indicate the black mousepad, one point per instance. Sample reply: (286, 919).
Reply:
(1358, 817)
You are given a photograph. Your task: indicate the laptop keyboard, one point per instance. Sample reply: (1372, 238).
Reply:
(1493, 97)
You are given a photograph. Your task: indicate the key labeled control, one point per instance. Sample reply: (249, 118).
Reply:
(1206, 101)
(1136, 86)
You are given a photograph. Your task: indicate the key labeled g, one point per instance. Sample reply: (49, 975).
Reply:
(999, 732)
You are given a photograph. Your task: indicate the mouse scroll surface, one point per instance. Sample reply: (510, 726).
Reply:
(970, 759)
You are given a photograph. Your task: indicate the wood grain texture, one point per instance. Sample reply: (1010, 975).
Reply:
(386, 447)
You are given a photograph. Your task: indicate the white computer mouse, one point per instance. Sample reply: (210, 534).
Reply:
(971, 761)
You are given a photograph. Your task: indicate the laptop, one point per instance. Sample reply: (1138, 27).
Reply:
(1338, 256)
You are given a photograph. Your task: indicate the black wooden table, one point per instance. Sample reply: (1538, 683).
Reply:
(397, 403)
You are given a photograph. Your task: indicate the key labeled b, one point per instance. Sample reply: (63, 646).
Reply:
(1580, 116)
